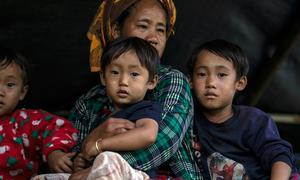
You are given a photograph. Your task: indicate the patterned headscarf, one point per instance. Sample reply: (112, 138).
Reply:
(100, 31)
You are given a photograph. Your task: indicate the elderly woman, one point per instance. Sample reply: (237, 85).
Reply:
(152, 20)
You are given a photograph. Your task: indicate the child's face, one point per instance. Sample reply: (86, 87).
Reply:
(214, 81)
(11, 88)
(126, 80)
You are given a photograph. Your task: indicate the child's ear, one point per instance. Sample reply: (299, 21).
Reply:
(101, 73)
(23, 92)
(153, 82)
(116, 31)
(241, 83)
(190, 81)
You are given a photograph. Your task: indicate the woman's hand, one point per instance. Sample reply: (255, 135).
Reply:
(89, 150)
(110, 127)
(113, 126)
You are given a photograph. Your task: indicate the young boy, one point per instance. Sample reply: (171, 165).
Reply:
(27, 137)
(234, 142)
(129, 68)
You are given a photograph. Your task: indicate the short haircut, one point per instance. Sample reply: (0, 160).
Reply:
(9, 56)
(146, 53)
(224, 49)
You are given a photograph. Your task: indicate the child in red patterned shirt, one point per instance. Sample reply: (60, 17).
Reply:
(28, 137)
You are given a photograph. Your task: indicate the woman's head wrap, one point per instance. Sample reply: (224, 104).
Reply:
(100, 31)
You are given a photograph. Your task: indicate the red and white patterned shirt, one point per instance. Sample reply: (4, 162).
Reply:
(27, 137)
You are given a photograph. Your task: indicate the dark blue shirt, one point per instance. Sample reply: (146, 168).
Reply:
(142, 109)
(247, 144)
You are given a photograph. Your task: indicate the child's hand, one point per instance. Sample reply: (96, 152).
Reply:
(60, 162)
(79, 163)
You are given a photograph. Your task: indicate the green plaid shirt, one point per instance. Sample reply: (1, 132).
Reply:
(173, 142)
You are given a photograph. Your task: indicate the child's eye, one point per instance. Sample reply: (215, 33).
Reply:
(222, 75)
(134, 74)
(114, 72)
(201, 74)
(11, 85)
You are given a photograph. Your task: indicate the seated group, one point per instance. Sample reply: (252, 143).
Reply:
(228, 141)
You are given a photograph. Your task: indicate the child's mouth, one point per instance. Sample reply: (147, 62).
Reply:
(123, 93)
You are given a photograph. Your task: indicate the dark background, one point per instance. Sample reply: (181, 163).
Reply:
(52, 35)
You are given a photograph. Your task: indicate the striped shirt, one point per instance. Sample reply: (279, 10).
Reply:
(173, 142)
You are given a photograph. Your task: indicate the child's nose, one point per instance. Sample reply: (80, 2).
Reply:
(124, 80)
(2, 90)
(211, 82)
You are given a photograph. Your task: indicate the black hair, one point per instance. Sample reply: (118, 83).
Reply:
(224, 49)
(146, 53)
(9, 56)
(121, 19)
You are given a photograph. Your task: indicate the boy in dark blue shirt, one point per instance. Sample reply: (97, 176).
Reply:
(232, 142)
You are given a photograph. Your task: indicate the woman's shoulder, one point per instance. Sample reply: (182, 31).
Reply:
(172, 81)
(170, 72)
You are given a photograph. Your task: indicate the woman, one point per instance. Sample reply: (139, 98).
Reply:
(152, 20)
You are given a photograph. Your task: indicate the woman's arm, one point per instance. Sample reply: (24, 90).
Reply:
(143, 135)
(107, 129)
(138, 138)
(80, 116)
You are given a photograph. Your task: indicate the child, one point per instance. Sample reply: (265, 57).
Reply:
(235, 142)
(28, 137)
(129, 71)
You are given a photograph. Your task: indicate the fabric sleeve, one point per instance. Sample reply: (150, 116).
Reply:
(174, 94)
(85, 111)
(153, 112)
(56, 133)
(80, 119)
(143, 109)
(183, 163)
(268, 145)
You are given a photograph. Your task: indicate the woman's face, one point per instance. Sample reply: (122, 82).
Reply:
(147, 20)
